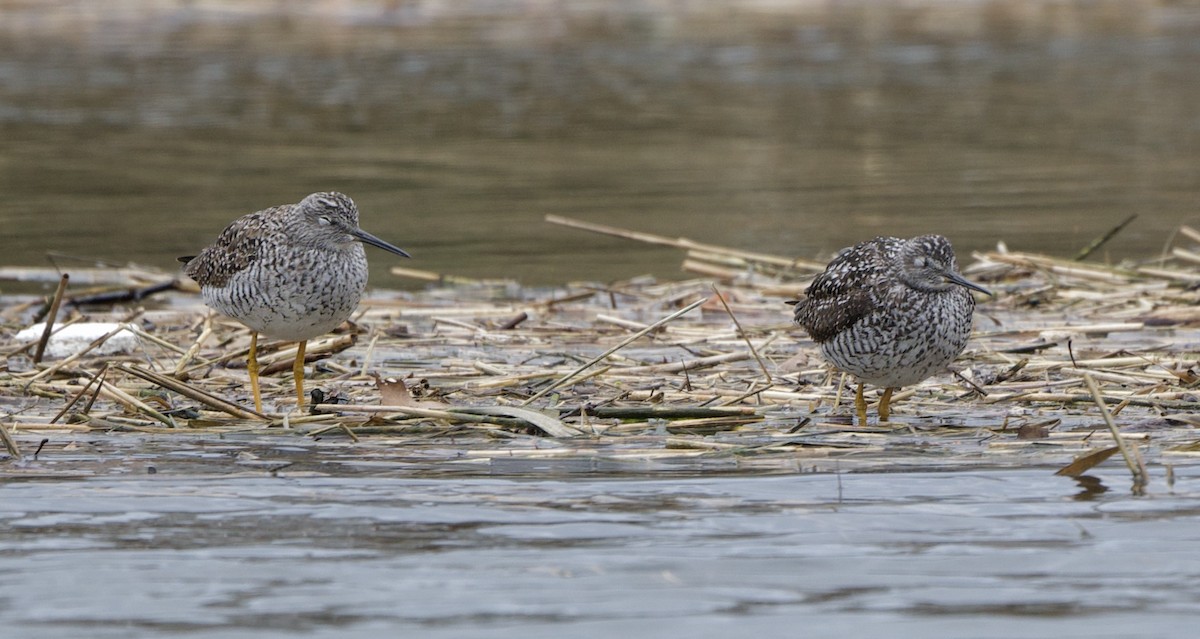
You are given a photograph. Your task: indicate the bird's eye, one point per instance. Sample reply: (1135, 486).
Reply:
(323, 221)
(920, 262)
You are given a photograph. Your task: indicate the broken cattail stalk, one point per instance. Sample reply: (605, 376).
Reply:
(1133, 460)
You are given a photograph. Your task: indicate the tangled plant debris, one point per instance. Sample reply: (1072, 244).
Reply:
(699, 375)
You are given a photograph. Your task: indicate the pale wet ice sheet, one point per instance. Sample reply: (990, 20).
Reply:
(980, 554)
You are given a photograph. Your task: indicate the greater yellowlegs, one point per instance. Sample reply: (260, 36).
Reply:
(890, 312)
(291, 272)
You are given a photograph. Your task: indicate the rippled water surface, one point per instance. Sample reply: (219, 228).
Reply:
(987, 554)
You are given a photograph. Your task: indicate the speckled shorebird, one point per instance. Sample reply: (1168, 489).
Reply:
(890, 312)
(290, 272)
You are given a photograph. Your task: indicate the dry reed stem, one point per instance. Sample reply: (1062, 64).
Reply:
(682, 243)
(51, 317)
(204, 397)
(741, 332)
(10, 444)
(683, 365)
(83, 391)
(1104, 238)
(193, 351)
(1129, 330)
(1190, 233)
(133, 403)
(506, 415)
(140, 334)
(622, 344)
(1137, 467)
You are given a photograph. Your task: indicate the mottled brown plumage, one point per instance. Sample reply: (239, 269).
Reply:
(890, 312)
(235, 249)
(290, 272)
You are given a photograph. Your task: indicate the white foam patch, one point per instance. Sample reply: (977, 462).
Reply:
(76, 337)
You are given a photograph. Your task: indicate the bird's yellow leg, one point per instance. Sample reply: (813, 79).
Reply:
(252, 368)
(298, 375)
(860, 406)
(885, 404)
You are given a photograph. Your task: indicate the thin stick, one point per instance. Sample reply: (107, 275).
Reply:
(122, 397)
(227, 357)
(681, 242)
(432, 276)
(1098, 242)
(9, 443)
(368, 355)
(502, 415)
(50, 317)
(684, 365)
(513, 321)
(1136, 467)
(137, 332)
(87, 408)
(1190, 233)
(669, 412)
(754, 390)
(204, 397)
(194, 350)
(94, 379)
(742, 333)
(627, 341)
(125, 294)
(973, 385)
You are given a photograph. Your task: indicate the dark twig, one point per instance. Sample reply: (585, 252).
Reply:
(51, 316)
(1100, 241)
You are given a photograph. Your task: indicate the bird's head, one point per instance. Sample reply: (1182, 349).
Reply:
(333, 217)
(328, 217)
(927, 264)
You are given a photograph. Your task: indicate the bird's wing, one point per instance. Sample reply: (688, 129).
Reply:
(236, 248)
(842, 294)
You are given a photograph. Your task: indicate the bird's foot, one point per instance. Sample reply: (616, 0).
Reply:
(885, 405)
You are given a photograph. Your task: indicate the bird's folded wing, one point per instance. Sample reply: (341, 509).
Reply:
(841, 295)
(236, 248)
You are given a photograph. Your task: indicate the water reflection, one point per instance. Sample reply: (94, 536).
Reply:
(457, 126)
(1090, 487)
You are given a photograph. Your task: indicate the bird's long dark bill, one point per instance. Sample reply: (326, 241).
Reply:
(962, 281)
(367, 238)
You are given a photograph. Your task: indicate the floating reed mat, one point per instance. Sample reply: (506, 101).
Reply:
(1069, 360)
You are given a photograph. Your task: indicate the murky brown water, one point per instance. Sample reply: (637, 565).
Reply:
(137, 134)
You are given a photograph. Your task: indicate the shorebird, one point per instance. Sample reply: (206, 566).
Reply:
(890, 312)
(291, 272)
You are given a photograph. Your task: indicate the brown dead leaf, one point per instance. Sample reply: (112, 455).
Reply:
(1186, 376)
(393, 392)
(1172, 316)
(1036, 430)
(1085, 463)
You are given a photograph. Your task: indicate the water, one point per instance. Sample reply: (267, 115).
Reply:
(987, 554)
(136, 131)
(139, 131)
